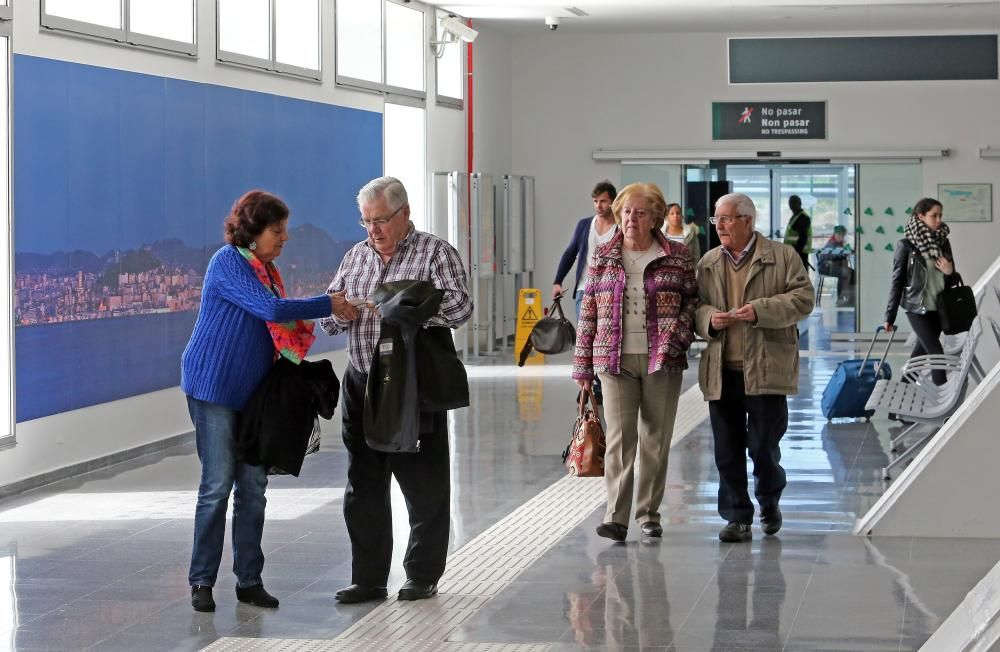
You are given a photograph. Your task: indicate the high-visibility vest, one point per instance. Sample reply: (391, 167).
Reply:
(792, 236)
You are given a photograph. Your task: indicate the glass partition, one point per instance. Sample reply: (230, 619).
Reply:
(886, 194)
(6, 264)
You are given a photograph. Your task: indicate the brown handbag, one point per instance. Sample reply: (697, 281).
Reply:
(584, 457)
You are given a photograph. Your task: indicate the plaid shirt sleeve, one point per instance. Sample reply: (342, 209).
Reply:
(448, 274)
(333, 325)
(420, 256)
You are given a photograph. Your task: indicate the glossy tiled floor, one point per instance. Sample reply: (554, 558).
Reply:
(100, 562)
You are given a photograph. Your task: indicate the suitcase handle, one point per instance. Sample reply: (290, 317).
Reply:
(885, 354)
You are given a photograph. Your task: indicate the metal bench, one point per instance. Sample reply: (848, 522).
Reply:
(916, 399)
(953, 344)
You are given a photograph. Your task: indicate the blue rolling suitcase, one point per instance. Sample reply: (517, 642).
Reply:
(852, 383)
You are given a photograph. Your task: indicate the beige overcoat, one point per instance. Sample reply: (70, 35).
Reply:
(779, 289)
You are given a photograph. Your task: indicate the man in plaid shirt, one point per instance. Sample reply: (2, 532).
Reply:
(393, 251)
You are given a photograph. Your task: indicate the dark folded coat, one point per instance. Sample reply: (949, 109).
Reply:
(415, 372)
(277, 422)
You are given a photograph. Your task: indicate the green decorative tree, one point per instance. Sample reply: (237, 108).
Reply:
(869, 247)
(880, 229)
(888, 211)
(869, 211)
(889, 247)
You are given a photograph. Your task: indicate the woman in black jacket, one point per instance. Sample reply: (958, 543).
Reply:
(923, 267)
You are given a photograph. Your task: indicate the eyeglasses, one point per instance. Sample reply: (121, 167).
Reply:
(380, 221)
(724, 219)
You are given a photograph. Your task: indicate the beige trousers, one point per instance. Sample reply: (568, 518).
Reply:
(639, 409)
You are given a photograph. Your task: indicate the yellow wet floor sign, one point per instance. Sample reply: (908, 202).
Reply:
(529, 312)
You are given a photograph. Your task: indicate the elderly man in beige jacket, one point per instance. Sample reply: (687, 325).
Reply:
(753, 292)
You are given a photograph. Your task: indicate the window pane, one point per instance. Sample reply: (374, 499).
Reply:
(404, 46)
(296, 25)
(404, 155)
(245, 27)
(359, 39)
(6, 318)
(169, 19)
(450, 77)
(107, 13)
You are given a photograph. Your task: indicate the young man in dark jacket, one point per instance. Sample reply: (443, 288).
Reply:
(590, 232)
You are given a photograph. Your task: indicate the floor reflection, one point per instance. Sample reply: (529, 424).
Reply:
(751, 594)
(636, 601)
(8, 597)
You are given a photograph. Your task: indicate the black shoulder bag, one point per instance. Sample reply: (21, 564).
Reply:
(552, 334)
(956, 308)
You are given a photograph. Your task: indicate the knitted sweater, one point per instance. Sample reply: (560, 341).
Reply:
(230, 350)
(671, 301)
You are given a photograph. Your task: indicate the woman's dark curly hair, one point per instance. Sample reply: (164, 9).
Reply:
(251, 214)
(925, 205)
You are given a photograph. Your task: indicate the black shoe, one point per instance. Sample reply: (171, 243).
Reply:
(257, 596)
(201, 598)
(612, 531)
(414, 590)
(360, 593)
(651, 529)
(735, 532)
(770, 520)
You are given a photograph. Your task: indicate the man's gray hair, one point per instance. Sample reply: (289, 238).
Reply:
(389, 187)
(744, 205)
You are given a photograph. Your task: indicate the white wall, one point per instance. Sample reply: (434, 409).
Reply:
(61, 440)
(492, 125)
(575, 93)
(492, 110)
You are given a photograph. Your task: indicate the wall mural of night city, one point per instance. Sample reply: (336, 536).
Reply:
(122, 183)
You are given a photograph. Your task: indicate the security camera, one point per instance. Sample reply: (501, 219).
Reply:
(454, 26)
(552, 22)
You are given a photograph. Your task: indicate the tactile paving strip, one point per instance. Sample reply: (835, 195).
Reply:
(368, 645)
(475, 572)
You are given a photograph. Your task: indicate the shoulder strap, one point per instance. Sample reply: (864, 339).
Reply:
(525, 352)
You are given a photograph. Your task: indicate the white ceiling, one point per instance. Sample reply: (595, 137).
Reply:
(732, 16)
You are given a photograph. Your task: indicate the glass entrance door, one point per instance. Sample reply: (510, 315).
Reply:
(828, 194)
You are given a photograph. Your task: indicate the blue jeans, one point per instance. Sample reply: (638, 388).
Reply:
(215, 429)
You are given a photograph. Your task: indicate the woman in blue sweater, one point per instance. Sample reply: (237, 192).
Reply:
(243, 325)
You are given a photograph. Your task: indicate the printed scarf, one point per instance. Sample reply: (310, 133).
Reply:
(928, 242)
(292, 339)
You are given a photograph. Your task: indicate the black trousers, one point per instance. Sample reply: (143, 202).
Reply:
(742, 423)
(927, 328)
(424, 480)
(845, 282)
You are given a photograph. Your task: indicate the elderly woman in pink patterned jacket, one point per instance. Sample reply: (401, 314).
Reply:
(634, 331)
